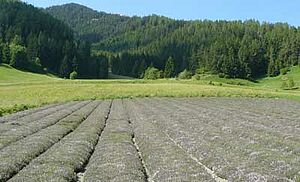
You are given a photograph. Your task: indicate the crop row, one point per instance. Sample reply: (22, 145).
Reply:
(280, 117)
(19, 154)
(163, 159)
(26, 129)
(67, 157)
(115, 157)
(259, 148)
(236, 146)
(14, 124)
(19, 115)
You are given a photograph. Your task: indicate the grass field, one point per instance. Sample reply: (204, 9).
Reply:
(21, 90)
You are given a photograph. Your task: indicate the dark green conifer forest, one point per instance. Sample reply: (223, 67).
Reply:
(31, 39)
(235, 49)
(90, 42)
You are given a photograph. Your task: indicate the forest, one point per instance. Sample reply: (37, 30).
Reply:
(234, 49)
(86, 43)
(32, 40)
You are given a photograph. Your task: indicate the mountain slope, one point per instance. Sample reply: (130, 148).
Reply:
(9, 75)
(33, 40)
(233, 49)
(99, 26)
(87, 23)
(30, 38)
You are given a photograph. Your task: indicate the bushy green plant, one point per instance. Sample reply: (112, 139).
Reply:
(288, 83)
(185, 74)
(222, 75)
(152, 74)
(196, 77)
(73, 75)
(200, 71)
(284, 71)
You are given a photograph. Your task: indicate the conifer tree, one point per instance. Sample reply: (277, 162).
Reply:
(169, 68)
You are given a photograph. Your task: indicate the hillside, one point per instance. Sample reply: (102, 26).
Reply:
(33, 40)
(9, 75)
(97, 26)
(89, 24)
(233, 49)
(276, 82)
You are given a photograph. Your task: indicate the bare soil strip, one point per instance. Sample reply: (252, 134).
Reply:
(19, 154)
(15, 134)
(115, 157)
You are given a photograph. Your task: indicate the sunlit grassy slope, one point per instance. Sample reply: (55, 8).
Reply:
(20, 90)
(10, 75)
(276, 82)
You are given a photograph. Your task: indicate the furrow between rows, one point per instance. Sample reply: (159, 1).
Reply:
(68, 156)
(80, 173)
(23, 131)
(19, 154)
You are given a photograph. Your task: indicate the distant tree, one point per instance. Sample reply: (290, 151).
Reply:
(18, 56)
(65, 68)
(169, 68)
(102, 62)
(142, 68)
(37, 62)
(32, 47)
(152, 73)
(5, 54)
(185, 75)
(1, 47)
(73, 75)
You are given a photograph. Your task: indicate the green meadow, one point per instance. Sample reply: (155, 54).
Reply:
(22, 90)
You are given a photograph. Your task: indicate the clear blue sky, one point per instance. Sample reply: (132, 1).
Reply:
(262, 10)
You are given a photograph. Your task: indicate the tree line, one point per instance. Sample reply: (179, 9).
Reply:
(233, 49)
(236, 49)
(33, 40)
(30, 38)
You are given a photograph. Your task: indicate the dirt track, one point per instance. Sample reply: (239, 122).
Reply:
(209, 139)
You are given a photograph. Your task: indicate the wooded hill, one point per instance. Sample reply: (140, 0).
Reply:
(237, 49)
(33, 40)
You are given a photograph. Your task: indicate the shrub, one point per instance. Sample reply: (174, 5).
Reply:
(222, 75)
(211, 83)
(73, 75)
(196, 77)
(284, 71)
(152, 74)
(185, 75)
(200, 71)
(288, 83)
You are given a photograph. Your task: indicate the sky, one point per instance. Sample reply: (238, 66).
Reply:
(262, 10)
